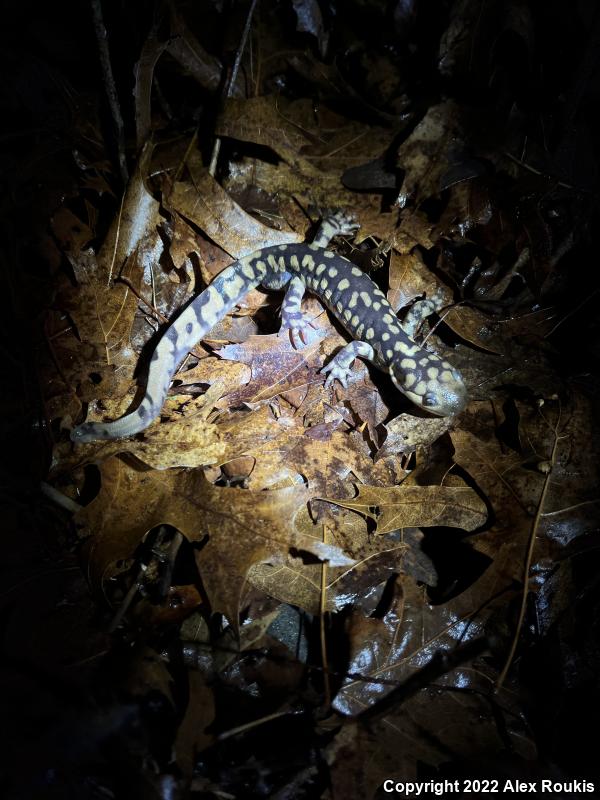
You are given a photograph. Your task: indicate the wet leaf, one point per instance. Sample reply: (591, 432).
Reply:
(235, 528)
(310, 20)
(393, 507)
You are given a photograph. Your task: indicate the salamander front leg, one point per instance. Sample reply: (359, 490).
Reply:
(292, 316)
(340, 367)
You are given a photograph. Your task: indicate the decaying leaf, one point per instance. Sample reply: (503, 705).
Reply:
(310, 20)
(206, 204)
(234, 528)
(389, 650)
(409, 279)
(264, 120)
(429, 150)
(405, 433)
(134, 228)
(393, 507)
(429, 729)
(359, 586)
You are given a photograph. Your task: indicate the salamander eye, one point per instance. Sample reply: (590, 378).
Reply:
(429, 399)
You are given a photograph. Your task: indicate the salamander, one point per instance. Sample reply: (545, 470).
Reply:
(429, 381)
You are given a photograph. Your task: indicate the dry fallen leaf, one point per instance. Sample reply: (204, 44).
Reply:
(427, 153)
(234, 528)
(264, 120)
(205, 203)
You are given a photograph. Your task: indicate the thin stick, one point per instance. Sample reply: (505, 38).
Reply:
(109, 85)
(322, 612)
(231, 82)
(529, 558)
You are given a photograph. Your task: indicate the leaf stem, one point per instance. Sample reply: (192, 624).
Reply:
(530, 548)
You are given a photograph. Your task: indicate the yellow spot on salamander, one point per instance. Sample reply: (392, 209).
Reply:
(332, 272)
(208, 316)
(446, 376)
(354, 321)
(389, 354)
(294, 261)
(234, 288)
(420, 388)
(387, 318)
(308, 262)
(410, 379)
(408, 363)
(323, 283)
(369, 333)
(247, 270)
(343, 285)
(357, 272)
(394, 329)
(329, 254)
(216, 302)
(347, 314)
(432, 373)
(385, 336)
(366, 298)
(321, 269)
(376, 305)
(339, 306)
(353, 299)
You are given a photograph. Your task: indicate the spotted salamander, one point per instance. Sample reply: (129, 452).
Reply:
(426, 379)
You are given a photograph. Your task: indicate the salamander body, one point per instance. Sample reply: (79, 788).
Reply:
(362, 308)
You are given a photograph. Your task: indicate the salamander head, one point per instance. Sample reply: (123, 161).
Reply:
(430, 383)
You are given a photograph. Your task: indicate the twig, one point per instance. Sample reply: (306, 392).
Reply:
(59, 498)
(144, 77)
(572, 311)
(231, 82)
(529, 556)
(109, 85)
(535, 171)
(248, 726)
(322, 612)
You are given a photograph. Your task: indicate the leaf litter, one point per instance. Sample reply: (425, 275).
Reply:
(373, 584)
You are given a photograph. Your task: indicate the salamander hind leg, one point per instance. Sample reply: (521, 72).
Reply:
(421, 310)
(338, 223)
(340, 367)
